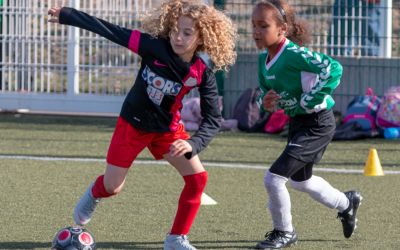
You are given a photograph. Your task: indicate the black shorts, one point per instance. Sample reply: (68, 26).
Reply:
(309, 135)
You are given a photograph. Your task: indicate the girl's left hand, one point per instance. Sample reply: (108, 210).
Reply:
(270, 101)
(54, 12)
(179, 148)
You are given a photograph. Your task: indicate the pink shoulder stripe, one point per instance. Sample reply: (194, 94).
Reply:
(134, 41)
(191, 80)
(195, 75)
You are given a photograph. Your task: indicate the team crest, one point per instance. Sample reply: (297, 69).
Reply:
(191, 82)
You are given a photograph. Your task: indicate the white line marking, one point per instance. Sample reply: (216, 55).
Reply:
(207, 164)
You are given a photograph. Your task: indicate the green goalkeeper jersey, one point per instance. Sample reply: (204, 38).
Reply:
(304, 80)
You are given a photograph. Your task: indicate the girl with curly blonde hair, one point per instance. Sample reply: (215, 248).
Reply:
(220, 46)
(150, 115)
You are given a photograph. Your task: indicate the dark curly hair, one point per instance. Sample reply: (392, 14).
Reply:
(298, 29)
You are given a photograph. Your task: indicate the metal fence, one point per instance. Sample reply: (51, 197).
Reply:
(339, 27)
(38, 56)
(54, 68)
(363, 36)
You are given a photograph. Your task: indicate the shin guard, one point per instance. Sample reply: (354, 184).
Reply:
(189, 202)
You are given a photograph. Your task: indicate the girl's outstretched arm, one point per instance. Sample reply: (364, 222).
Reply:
(73, 17)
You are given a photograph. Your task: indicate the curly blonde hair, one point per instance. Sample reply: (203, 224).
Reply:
(216, 30)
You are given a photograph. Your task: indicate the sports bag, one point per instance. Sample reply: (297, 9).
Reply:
(363, 109)
(246, 110)
(353, 131)
(389, 110)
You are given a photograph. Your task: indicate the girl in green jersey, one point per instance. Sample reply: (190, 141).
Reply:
(301, 82)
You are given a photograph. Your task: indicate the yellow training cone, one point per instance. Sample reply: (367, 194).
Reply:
(373, 165)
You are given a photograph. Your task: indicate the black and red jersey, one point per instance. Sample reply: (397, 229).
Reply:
(154, 102)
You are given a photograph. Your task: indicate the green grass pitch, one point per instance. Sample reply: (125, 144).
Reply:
(37, 197)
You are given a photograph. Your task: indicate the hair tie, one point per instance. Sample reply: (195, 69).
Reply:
(280, 9)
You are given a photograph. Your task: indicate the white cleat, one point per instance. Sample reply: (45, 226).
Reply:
(177, 242)
(85, 207)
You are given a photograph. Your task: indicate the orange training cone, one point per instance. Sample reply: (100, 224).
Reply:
(373, 165)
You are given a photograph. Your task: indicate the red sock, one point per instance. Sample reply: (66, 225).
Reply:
(98, 189)
(189, 202)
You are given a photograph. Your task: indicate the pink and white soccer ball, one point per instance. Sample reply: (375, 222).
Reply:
(73, 238)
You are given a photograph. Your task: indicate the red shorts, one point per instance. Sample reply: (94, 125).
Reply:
(127, 142)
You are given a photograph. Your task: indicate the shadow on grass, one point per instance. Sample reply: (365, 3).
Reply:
(137, 245)
(100, 245)
(238, 244)
(319, 240)
(24, 245)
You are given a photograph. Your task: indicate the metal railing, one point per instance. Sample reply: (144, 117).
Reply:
(56, 68)
(339, 27)
(38, 56)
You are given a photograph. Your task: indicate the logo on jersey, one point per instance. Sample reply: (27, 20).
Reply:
(290, 144)
(159, 64)
(283, 94)
(271, 77)
(191, 82)
(286, 103)
(158, 86)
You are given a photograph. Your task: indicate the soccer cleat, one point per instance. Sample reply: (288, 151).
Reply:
(348, 217)
(277, 239)
(177, 242)
(85, 207)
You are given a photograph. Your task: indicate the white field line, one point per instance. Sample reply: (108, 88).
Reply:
(207, 164)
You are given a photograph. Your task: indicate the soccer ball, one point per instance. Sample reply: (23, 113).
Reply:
(73, 238)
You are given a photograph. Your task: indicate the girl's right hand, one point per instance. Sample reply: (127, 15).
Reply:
(270, 101)
(54, 13)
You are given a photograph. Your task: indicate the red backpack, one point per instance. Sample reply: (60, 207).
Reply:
(276, 122)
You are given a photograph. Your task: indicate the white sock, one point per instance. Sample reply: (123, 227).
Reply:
(279, 201)
(321, 191)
